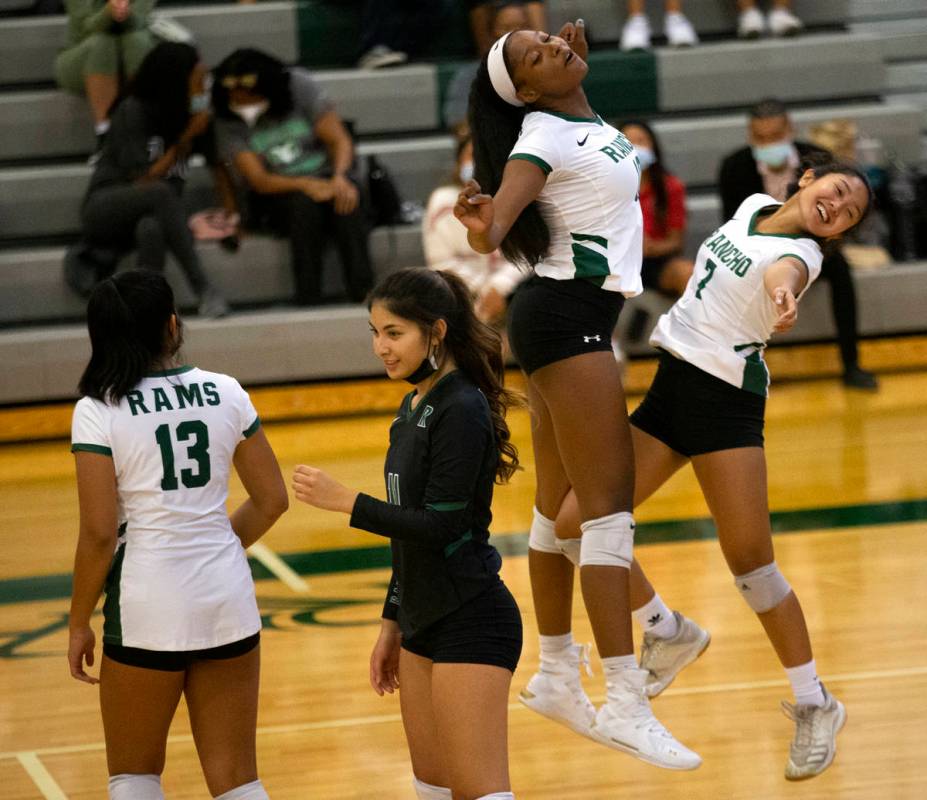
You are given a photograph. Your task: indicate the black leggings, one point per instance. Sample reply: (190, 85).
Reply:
(309, 225)
(836, 271)
(148, 217)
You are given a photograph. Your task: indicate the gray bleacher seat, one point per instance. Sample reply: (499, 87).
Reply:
(42, 364)
(604, 18)
(738, 73)
(29, 45)
(694, 146)
(51, 123)
(45, 200)
(32, 288)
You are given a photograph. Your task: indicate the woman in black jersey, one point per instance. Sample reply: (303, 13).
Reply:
(450, 626)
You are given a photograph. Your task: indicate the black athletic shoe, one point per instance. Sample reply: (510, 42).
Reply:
(856, 378)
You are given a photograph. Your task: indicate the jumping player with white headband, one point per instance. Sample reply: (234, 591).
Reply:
(558, 191)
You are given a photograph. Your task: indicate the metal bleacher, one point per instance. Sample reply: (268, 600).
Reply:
(863, 60)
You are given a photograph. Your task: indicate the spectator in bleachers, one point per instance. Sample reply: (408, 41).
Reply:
(663, 203)
(490, 277)
(770, 164)
(636, 32)
(133, 200)
(485, 19)
(392, 31)
(751, 24)
(107, 42)
(281, 133)
(502, 18)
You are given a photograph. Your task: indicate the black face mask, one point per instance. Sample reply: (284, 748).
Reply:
(428, 367)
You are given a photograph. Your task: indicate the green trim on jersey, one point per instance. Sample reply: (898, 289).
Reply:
(252, 428)
(756, 376)
(453, 547)
(80, 447)
(453, 505)
(165, 373)
(538, 162)
(588, 263)
(570, 118)
(112, 613)
(752, 231)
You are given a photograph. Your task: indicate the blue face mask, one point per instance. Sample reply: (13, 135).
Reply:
(199, 103)
(773, 155)
(646, 156)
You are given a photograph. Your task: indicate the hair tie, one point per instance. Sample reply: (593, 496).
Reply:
(499, 75)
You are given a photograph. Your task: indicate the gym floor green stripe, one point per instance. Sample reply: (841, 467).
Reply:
(350, 559)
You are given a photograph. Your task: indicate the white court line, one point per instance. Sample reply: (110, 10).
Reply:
(278, 567)
(379, 719)
(40, 776)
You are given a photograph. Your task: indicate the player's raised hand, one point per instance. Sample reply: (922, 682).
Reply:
(574, 34)
(474, 209)
(787, 306)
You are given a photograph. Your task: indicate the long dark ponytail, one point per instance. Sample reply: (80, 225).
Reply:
(424, 296)
(495, 125)
(127, 318)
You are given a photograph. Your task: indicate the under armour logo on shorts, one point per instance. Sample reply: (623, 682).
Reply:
(596, 338)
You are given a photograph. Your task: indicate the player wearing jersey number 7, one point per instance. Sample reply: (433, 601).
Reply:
(706, 405)
(558, 191)
(154, 444)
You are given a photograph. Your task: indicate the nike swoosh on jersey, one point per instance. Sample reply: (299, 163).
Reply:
(583, 141)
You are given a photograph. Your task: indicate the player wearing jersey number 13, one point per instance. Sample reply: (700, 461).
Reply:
(558, 191)
(706, 405)
(154, 444)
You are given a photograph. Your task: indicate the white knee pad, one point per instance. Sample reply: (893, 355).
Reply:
(608, 541)
(425, 791)
(247, 791)
(135, 787)
(570, 548)
(542, 537)
(764, 588)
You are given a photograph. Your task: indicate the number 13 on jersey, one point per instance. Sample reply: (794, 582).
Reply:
(197, 450)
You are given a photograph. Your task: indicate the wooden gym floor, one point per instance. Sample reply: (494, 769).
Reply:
(848, 488)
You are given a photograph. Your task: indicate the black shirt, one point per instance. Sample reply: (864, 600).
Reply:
(440, 470)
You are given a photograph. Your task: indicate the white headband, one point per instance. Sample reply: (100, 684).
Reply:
(499, 74)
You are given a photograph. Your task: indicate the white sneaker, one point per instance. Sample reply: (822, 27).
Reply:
(636, 33)
(560, 695)
(815, 743)
(626, 722)
(750, 24)
(664, 659)
(381, 56)
(679, 31)
(784, 23)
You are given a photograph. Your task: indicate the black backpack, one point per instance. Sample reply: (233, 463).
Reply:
(385, 203)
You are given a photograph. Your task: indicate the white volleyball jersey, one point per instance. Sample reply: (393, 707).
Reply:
(724, 319)
(590, 201)
(180, 578)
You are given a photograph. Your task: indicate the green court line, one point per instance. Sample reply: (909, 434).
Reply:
(351, 559)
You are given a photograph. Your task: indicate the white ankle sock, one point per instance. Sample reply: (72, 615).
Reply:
(247, 791)
(426, 791)
(615, 665)
(656, 618)
(101, 127)
(497, 796)
(806, 686)
(554, 651)
(135, 787)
